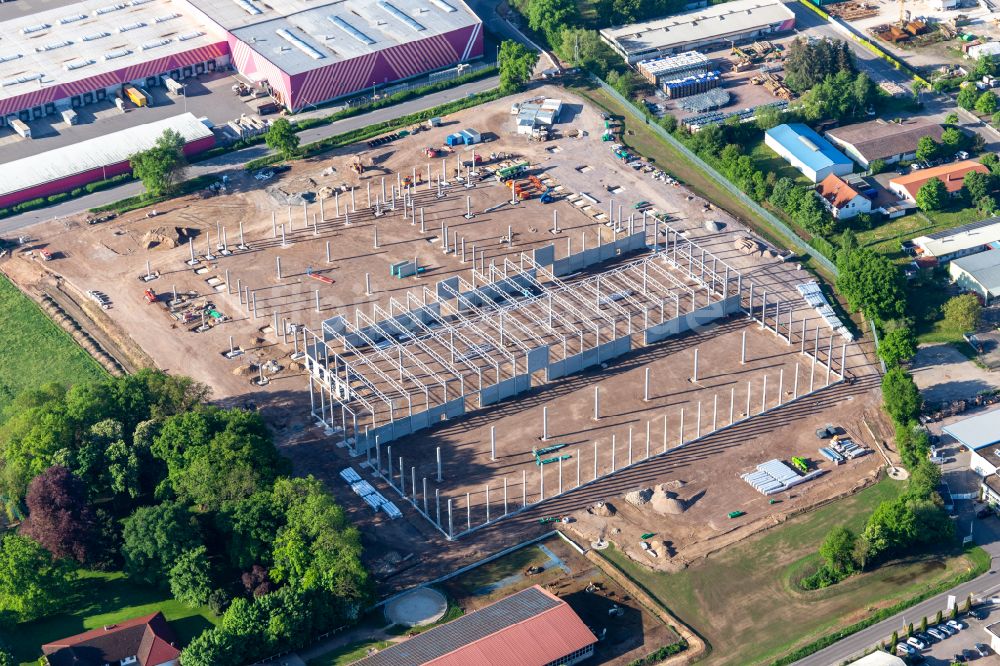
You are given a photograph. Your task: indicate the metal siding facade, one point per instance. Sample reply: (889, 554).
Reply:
(109, 79)
(385, 66)
(92, 175)
(249, 62)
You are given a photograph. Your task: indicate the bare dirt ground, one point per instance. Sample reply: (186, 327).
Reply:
(112, 257)
(943, 374)
(628, 634)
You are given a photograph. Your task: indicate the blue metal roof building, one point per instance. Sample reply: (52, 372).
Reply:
(807, 151)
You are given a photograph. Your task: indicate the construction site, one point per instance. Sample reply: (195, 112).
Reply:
(492, 332)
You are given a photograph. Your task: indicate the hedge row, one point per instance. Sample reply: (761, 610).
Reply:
(661, 654)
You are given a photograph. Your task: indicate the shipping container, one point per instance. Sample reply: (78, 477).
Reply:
(137, 97)
(20, 127)
(172, 86)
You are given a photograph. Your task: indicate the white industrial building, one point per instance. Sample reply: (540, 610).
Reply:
(738, 21)
(978, 273)
(536, 115)
(981, 435)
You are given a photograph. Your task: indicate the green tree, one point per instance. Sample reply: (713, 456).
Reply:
(583, 48)
(516, 64)
(316, 549)
(249, 526)
(550, 16)
(215, 455)
(967, 97)
(871, 284)
(154, 537)
(900, 396)
(979, 185)
(932, 195)
(766, 117)
(190, 579)
(281, 137)
(992, 162)
(927, 148)
(952, 139)
(160, 167)
(967, 606)
(32, 582)
(923, 624)
(7, 656)
(838, 550)
(895, 639)
(986, 104)
(951, 119)
(939, 618)
(214, 647)
(898, 344)
(877, 166)
(962, 312)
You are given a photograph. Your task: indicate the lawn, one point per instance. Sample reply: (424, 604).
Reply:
(886, 237)
(98, 599)
(348, 654)
(745, 600)
(767, 161)
(33, 350)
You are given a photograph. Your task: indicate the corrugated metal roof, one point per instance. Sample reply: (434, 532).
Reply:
(74, 42)
(961, 238)
(94, 153)
(977, 431)
(531, 627)
(984, 268)
(808, 147)
(698, 25)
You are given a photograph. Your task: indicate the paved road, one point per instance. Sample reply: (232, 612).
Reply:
(237, 159)
(987, 533)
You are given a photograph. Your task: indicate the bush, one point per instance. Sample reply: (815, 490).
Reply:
(661, 654)
(824, 247)
(825, 576)
(29, 205)
(56, 198)
(75, 192)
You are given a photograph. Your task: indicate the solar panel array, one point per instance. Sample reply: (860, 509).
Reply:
(972, 226)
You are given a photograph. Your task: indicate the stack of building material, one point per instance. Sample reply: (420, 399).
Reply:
(775, 476)
(706, 101)
(813, 295)
(831, 455)
(692, 85)
(348, 474)
(391, 510)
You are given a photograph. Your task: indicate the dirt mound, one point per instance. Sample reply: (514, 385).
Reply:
(639, 497)
(158, 238)
(605, 509)
(242, 370)
(296, 366)
(670, 506)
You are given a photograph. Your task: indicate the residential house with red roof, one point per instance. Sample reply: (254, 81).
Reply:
(842, 200)
(141, 641)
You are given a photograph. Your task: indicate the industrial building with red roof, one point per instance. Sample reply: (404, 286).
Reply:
(529, 628)
(142, 641)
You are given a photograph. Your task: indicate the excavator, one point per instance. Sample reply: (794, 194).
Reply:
(356, 166)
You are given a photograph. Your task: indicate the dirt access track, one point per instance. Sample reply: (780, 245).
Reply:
(589, 182)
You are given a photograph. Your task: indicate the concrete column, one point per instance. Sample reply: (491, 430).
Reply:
(493, 443)
(545, 423)
(597, 403)
(645, 393)
(439, 478)
(613, 453)
(743, 348)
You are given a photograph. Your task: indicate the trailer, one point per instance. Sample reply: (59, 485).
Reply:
(69, 116)
(20, 127)
(137, 97)
(173, 87)
(267, 108)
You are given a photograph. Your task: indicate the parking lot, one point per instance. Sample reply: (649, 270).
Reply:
(961, 647)
(207, 95)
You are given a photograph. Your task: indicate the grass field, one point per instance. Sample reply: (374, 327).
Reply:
(99, 599)
(33, 350)
(348, 654)
(886, 237)
(768, 161)
(746, 602)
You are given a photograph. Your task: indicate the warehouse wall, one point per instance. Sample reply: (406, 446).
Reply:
(385, 66)
(91, 176)
(110, 79)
